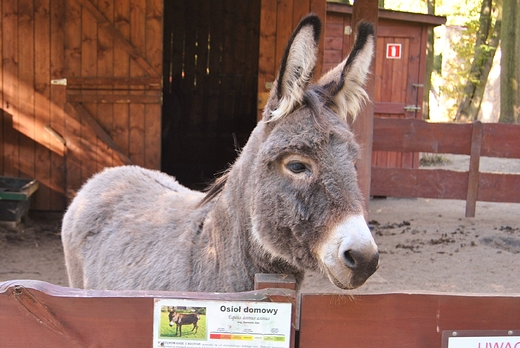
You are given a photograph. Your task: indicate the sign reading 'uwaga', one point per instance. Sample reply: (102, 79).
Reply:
(476, 339)
(199, 323)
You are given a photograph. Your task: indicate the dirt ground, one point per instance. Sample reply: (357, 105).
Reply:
(425, 245)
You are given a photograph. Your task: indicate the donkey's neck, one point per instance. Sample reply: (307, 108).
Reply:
(231, 255)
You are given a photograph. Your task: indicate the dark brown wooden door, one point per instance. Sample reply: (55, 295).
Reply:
(113, 65)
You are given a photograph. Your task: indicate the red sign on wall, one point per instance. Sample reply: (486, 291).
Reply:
(393, 51)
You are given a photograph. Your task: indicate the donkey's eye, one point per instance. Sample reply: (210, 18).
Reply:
(296, 167)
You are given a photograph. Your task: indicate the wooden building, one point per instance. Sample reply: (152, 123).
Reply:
(400, 66)
(172, 85)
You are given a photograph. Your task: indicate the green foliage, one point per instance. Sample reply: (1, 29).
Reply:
(454, 50)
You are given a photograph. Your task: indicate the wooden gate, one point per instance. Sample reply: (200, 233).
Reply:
(103, 105)
(32, 118)
(113, 66)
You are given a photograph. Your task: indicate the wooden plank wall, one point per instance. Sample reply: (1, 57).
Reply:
(337, 43)
(476, 140)
(278, 19)
(110, 121)
(41, 135)
(401, 319)
(31, 47)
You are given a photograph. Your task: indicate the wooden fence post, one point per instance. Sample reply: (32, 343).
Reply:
(363, 127)
(474, 167)
(284, 281)
(266, 280)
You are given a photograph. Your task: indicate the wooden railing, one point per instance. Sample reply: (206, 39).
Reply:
(38, 314)
(397, 320)
(475, 140)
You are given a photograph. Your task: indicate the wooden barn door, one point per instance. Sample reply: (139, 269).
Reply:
(31, 112)
(399, 82)
(210, 76)
(113, 65)
(219, 61)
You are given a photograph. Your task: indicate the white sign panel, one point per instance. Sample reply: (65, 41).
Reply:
(197, 323)
(484, 342)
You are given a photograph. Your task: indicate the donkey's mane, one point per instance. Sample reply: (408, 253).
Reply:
(215, 189)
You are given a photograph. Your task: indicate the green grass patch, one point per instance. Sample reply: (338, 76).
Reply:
(165, 331)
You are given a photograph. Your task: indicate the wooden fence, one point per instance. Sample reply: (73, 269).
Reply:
(35, 313)
(476, 140)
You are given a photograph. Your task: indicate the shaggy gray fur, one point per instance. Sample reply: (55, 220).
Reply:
(290, 202)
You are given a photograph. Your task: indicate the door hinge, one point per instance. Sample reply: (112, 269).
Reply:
(412, 108)
(418, 85)
(59, 82)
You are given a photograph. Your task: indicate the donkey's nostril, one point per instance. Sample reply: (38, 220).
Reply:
(350, 259)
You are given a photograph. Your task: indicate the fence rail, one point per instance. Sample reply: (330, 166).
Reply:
(475, 140)
(415, 320)
(35, 313)
(39, 314)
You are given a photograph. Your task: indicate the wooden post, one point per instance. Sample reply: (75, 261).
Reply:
(365, 10)
(266, 281)
(277, 281)
(474, 166)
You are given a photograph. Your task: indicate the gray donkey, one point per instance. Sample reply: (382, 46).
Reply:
(290, 201)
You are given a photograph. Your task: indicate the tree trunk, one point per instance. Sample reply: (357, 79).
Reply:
(510, 64)
(429, 64)
(488, 38)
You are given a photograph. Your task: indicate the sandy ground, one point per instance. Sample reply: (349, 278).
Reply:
(425, 245)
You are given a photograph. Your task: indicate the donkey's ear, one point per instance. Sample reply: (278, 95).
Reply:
(296, 69)
(345, 83)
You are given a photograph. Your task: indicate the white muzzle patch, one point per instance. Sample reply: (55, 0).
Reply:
(349, 256)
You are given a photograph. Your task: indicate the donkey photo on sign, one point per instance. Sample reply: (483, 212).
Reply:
(290, 201)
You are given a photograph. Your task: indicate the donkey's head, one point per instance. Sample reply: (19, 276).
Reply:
(307, 207)
(172, 316)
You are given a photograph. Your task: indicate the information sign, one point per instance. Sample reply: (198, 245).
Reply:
(481, 339)
(199, 323)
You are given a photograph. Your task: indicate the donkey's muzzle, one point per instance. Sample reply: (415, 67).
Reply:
(350, 255)
(362, 265)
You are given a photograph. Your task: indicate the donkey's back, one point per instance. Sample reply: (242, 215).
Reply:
(112, 219)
